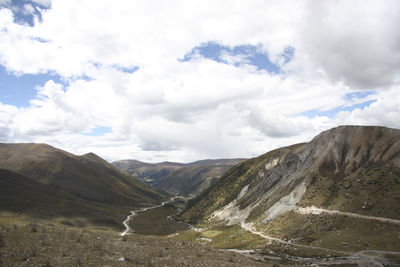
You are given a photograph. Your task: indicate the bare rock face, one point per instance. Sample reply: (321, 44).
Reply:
(348, 148)
(346, 172)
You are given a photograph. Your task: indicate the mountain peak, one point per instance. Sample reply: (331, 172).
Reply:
(92, 156)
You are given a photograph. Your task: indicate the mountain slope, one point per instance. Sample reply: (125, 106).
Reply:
(178, 178)
(19, 194)
(88, 177)
(326, 193)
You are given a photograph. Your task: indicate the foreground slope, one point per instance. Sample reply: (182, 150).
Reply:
(54, 245)
(340, 191)
(178, 178)
(88, 177)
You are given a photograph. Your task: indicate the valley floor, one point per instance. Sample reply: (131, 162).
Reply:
(155, 240)
(50, 244)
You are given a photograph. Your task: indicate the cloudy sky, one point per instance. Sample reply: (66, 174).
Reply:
(187, 80)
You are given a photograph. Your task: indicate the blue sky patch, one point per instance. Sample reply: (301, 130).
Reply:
(126, 69)
(117, 67)
(18, 90)
(210, 50)
(25, 11)
(99, 131)
(333, 112)
(288, 54)
(358, 95)
(246, 54)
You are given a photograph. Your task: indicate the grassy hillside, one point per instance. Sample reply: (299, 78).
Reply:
(22, 195)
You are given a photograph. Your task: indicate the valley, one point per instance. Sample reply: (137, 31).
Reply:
(334, 201)
(156, 220)
(181, 179)
(199, 133)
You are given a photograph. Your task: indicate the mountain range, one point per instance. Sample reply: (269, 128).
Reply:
(184, 179)
(38, 178)
(336, 196)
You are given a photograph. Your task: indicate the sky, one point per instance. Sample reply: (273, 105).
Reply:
(188, 80)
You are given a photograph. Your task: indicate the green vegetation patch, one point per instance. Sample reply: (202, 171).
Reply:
(156, 222)
(335, 232)
(211, 233)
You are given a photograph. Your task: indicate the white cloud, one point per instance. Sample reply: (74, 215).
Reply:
(174, 110)
(234, 59)
(28, 9)
(385, 111)
(7, 113)
(352, 41)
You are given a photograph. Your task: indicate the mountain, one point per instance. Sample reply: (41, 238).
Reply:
(340, 192)
(147, 171)
(88, 178)
(186, 179)
(22, 195)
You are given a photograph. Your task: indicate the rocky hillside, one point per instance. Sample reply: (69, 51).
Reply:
(340, 191)
(178, 178)
(88, 177)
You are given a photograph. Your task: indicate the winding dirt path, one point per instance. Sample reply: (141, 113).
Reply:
(135, 212)
(249, 227)
(368, 257)
(314, 210)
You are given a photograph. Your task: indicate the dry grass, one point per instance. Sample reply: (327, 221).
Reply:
(54, 244)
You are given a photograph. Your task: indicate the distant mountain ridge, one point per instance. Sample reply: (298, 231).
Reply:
(329, 192)
(178, 178)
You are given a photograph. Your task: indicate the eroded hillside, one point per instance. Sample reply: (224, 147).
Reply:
(339, 192)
